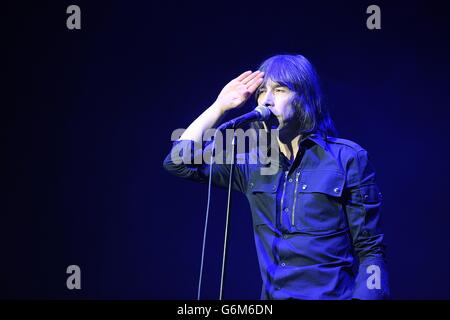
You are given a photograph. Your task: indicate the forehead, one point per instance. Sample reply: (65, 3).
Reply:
(269, 83)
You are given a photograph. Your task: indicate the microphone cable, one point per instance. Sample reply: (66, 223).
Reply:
(213, 149)
(207, 216)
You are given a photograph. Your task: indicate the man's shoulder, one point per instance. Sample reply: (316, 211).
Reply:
(345, 143)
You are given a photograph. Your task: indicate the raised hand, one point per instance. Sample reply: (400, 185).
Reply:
(238, 90)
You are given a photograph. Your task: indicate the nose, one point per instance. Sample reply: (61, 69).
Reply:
(266, 99)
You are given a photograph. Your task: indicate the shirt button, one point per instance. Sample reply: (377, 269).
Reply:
(274, 187)
(283, 264)
(251, 184)
(336, 190)
(286, 209)
(285, 236)
(290, 180)
(304, 186)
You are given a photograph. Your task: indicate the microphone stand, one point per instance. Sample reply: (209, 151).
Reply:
(259, 113)
(230, 181)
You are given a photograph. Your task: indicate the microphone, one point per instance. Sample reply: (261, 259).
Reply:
(259, 113)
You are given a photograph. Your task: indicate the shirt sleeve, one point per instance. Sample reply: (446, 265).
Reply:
(190, 160)
(363, 205)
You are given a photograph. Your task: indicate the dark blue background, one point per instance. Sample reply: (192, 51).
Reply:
(87, 118)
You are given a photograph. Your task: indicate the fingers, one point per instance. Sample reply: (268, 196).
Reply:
(247, 76)
(249, 81)
(255, 82)
(250, 77)
(243, 75)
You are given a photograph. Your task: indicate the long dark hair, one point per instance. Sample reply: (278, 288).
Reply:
(299, 75)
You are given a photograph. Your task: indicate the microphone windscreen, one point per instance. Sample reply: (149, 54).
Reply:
(264, 112)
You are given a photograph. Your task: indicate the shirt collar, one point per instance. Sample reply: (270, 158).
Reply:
(313, 137)
(316, 138)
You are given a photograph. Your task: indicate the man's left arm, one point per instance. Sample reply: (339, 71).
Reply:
(363, 202)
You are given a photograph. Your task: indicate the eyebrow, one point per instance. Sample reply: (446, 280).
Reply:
(274, 85)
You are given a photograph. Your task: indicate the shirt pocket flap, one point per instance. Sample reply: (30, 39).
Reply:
(261, 186)
(323, 181)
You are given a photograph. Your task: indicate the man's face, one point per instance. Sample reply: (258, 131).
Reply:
(279, 100)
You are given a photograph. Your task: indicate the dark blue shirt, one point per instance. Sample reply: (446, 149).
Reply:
(316, 221)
